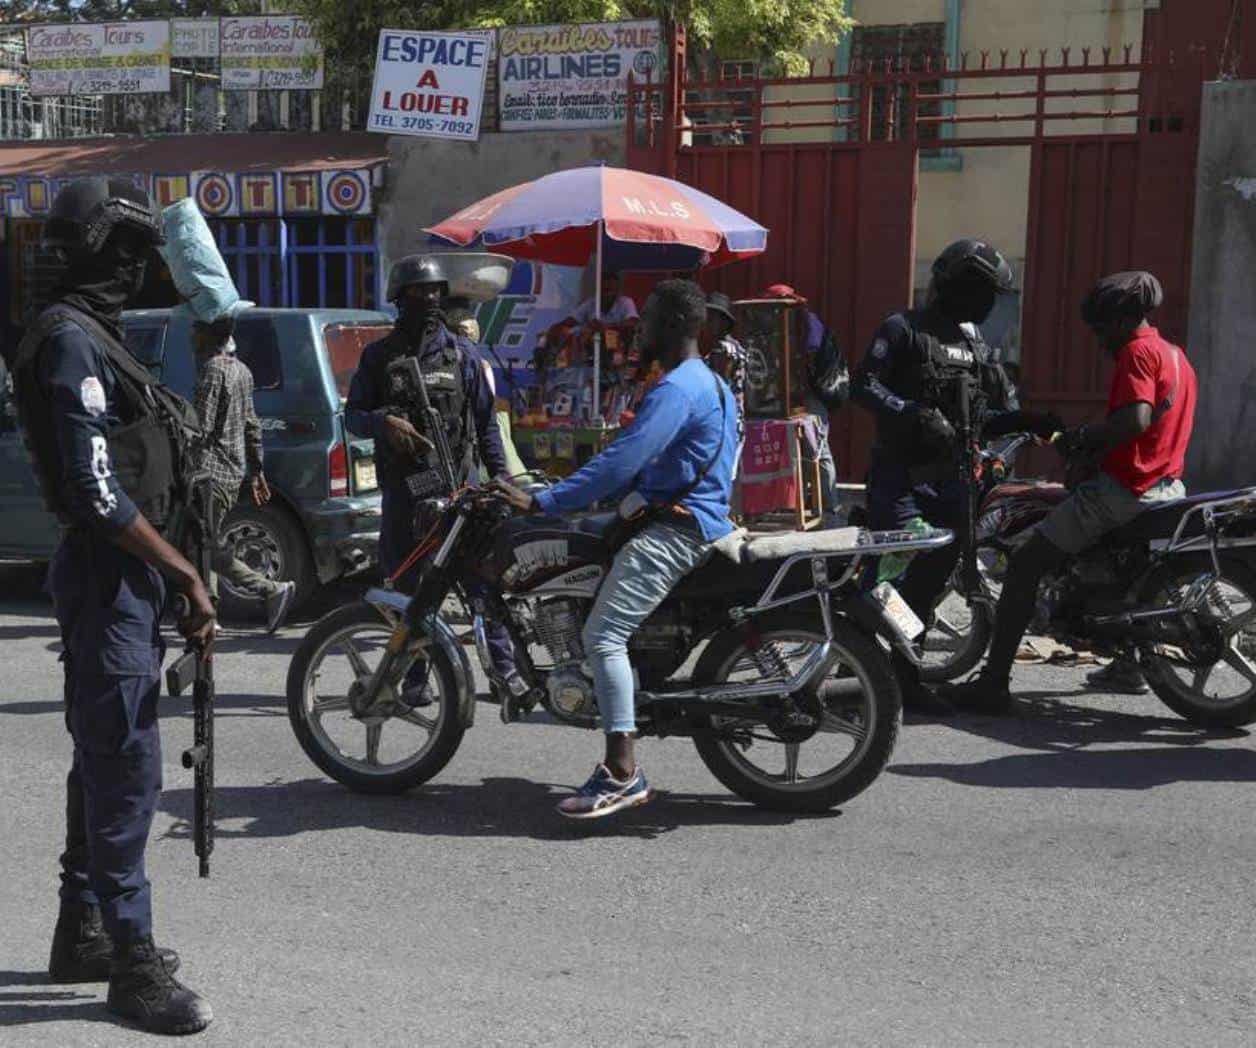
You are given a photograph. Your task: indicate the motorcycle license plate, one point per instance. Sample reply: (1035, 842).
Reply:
(896, 612)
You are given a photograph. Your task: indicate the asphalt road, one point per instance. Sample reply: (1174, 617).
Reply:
(1077, 874)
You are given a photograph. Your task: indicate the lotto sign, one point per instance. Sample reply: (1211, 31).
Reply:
(109, 58)
(270, 52)
(568, 76)
(429, 84)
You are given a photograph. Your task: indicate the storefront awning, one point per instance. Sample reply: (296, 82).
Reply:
(230, 176)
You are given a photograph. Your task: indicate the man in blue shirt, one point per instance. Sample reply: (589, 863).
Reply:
(679, 456)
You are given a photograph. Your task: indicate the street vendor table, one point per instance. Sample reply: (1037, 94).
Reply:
(780, 470)
(560, 450)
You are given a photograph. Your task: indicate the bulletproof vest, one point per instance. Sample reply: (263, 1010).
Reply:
(440, 362)
(148, 449)
(946, 363)
(950, 362)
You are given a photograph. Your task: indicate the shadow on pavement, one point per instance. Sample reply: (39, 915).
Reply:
(35, 1005)
(499, 807)
(1127, 769)
(1042, 720)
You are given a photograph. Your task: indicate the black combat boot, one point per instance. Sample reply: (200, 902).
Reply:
(918, 697)
(143, 991)
(81, 948)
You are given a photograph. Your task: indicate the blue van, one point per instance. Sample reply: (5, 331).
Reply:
(323, 521)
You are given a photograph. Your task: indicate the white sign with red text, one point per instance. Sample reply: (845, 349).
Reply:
(270, 53)
(99, 58)
(429, 84)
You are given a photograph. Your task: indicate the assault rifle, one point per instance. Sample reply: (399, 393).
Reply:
(969, 402)
(194, 668)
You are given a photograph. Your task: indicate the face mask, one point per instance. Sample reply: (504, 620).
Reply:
(967, 302)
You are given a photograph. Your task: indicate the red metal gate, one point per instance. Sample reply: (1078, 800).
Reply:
(829, 165)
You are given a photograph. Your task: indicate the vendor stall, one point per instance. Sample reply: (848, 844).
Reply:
(780, 472)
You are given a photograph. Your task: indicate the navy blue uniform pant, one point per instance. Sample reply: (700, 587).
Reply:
(396, 541)
(893, 500)
(108, 605)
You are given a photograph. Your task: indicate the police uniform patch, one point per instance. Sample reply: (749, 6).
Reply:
(92, 394)
(880, 348)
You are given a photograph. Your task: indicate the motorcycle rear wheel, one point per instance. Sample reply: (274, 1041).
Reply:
(1222, 695)
(318, 707)
(863, 704)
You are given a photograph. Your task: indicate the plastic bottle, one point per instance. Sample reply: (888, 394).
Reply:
(893, 565)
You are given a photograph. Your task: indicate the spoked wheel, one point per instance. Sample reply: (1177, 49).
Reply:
(1214, 684)
(388, 751)
(957, 637)
(823, 751)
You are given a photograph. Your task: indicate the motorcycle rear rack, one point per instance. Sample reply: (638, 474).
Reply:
(871, 544)
(1216, 515)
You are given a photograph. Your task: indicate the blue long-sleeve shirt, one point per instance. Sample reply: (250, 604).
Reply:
(678, 430)
(368, 401)
(81, 387)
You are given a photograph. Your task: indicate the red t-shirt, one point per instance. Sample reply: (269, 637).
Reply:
(1156, 372)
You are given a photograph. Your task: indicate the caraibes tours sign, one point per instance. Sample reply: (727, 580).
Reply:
(99, 58)
(269, 52)
(571, 76)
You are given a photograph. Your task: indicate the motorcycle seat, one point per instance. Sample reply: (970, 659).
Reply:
(750, 548)
(597, 524)
(1161, 520)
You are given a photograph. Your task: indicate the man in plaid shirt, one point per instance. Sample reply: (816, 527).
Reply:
(230, 450)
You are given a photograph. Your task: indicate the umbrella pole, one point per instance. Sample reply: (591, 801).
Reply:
(596, 412)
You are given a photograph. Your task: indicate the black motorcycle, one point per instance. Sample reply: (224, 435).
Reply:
(771, 656)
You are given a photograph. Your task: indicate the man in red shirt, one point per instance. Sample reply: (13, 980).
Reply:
(1139, 450)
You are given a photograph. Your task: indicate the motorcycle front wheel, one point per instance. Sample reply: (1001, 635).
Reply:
(390, 751)
(1221, 693)
(787, 767)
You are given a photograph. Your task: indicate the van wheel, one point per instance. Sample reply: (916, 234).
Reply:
(269, 541)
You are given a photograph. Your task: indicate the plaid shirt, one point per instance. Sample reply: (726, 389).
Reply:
(230, 447)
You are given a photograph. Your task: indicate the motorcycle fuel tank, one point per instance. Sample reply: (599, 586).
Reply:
(551, 558)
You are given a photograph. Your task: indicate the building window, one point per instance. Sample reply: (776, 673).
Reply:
(312, 262)
(252, 249)
(331, 262)
(907, 46)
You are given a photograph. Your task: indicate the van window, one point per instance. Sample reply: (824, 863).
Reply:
(257, 345)
(345, 343)
(147, 342)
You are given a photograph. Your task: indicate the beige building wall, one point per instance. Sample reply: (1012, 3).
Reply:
(986, 193)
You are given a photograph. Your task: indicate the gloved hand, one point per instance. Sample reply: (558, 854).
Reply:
(1042, 424)
(935, 427)
(1073, 443)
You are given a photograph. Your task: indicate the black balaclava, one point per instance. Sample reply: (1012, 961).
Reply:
(966, 299)
(419, 318)
(102, 284)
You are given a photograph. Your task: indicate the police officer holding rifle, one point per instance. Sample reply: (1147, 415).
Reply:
(932, 383)
(422, 394)
(107, 444)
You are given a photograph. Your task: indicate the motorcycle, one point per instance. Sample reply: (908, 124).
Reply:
(790, 702)
(1174, 589)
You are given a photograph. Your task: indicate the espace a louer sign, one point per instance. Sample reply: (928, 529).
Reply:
(429, 84)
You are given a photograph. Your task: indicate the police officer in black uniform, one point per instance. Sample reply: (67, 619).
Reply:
(909, 380)
(407, 461)
(106, 454)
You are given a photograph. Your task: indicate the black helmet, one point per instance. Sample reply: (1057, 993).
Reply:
(415, 269)
(968, 259)
(88, 210)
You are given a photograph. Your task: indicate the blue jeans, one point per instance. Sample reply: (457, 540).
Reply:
(644, 573)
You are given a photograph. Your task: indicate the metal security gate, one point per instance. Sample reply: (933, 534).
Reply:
(829, 164)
